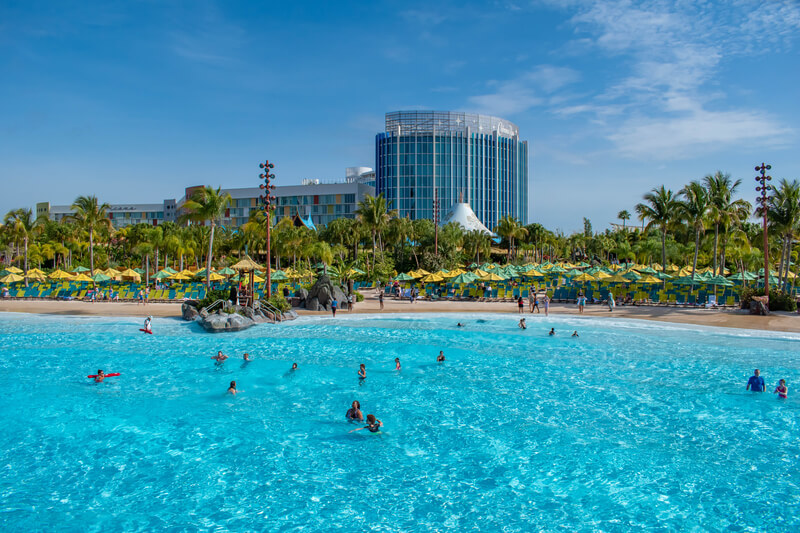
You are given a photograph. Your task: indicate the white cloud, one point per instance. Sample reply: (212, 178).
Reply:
(522, 93)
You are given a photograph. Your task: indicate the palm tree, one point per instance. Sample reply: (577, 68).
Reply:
(20, 224)
(783, 213)
(208, 204)
(90, 216)
(694, 210)
(623, 216)
(373, 213)
(477, 242)
(510, 228)
(660, 210)
(723, 210)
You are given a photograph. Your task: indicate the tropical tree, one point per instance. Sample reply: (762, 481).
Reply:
(783, 214)
(90, 216)
(19, 224)
(623, 216)
(477, 242)
(373, 213)
(659, 209)
(694, 210)
(510, 228)
(207, 204)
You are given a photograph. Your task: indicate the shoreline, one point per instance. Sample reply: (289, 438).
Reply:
(730, 318)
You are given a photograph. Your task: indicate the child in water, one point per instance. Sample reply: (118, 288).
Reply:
(147, 327)
(782, 390)
(373, 425)
(99, 377)
(552, 332)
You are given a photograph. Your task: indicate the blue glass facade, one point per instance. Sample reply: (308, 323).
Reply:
(477, 158)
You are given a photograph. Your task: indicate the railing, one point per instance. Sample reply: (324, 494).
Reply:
(275, 311)
(212, 306)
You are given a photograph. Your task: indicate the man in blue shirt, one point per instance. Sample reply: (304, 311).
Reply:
(756, 382)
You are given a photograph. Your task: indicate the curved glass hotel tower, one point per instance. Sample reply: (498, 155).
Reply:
(459, 155)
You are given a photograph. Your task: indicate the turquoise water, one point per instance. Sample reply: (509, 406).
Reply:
(634, 425)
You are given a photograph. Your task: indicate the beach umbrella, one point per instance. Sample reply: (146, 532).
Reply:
(180, 276)
(648, 280)
(99, 277)
(533, 273)
(491, 276)
(131, 274)
(464, 278)
(719, 281)
(247, 264)
(216, 277)
(139, 271)
(616, 278)
(432, 278)
(556, 270)
(480, 273)
(36, 274)
(279, 275)
(162, 274)
(663, 276)
(583, 278)
(60, 274)
(601, 275)
(83, 278)
(646, 270)
(14, 270)
(170, 270)
(404, 277)
(80, 270)
(11, 278)
(199, 273)
(572, 273)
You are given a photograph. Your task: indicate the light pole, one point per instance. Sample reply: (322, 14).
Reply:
(267, 206)
(763, 188)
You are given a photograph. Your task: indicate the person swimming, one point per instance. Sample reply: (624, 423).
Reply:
(552, 332)
(459, 325)
(362, 371)
(220, 357)
(100, 376)
(575, 334)
(440, 357)
(246, 357)
(522, 324)
(354, 413)
(232, 388)
(294, 367)
(373, 425)
(397, 363)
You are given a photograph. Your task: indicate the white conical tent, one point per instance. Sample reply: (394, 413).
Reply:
(462, 214)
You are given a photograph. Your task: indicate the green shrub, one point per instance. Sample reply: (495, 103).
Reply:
(778, 301)
(359, 297)
(212, 296)
(279, 302)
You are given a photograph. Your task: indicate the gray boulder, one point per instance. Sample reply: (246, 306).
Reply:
(189, 311)
(312, 304)
(321, 295)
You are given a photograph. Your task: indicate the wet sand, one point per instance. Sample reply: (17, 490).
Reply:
(732, 318)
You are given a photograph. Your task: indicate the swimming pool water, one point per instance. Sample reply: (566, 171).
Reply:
(633, 425)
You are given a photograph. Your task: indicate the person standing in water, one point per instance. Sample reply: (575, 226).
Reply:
(546, 305)
(397, 363)
(440, 357)
(756, 382)
(246, 357)
(334, 305)
(522, 324)
(147, 327)
(354, 413)
(232, 388)
(220, 357)
(575, 334)
(373, 425)
(552, 332)
(362, 372)
(782, 390)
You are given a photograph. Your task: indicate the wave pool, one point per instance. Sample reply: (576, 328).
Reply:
(633, 425)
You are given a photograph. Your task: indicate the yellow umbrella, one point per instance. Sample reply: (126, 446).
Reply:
(60, 274)
(533, 273)
(130, 274)
(35, 272)
(432, 278)
(258, 279)
(601, 275)
(616, 279)
(648, 279)
(614, 267)
(11, 278)
(186, 272)
(216, 277)
(14, 270)
(480, 273)
(180, 276)
(81, 277)
(584, 278)
(491, 277)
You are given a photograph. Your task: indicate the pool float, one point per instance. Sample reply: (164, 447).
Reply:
(105, 375)
(146, 331)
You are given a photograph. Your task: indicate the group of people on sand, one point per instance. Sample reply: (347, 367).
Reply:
(533, 303)
(756, 384)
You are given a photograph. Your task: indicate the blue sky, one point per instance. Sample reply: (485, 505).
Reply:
(133, 101)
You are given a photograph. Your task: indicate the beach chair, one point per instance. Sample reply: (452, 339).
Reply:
(711, 301)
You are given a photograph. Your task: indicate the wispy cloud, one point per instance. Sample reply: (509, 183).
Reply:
(523, 92)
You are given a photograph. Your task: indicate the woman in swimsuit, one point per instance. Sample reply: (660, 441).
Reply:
(782, 390)
(397, 363)
(232, 388)
(440, 357)
(354, 413)
(373, 425)
(362, 372)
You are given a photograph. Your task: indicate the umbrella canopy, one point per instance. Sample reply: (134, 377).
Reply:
(258, 279)
(163, 274)
(80, 269)
(646, 270)
(583, 278)
(113, 272)
(180, 276)
(432, 278)
(186, 272)
(170, 270)
(11, 278)
(60, 274)
(602, 275)
(616, 278)
(200, 273)
(404, 277)
(100, 277)
(491, 276)
(82, 278)
(466, 277)
(743, 276)
(227, 271)
(247, 264)
(720, 281)
(663, 276)
(139, 271)
(278, 275)
(632, 275)
(36, 274)
(130, 274)
(216, 277)
(533, 273)
(14, 270)
(572, 273)
(480, 273)
(648, 279)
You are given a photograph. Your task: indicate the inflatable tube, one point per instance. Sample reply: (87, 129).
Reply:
(105, 376)
(145, 331)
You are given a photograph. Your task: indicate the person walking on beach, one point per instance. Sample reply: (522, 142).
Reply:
(530, 301)
(350, 302)
(546, 305)
(535, 303)
(756, 382)
(146, 295)
(610, 302)
(581, 302)
(380, 299)
(520, 305)
(334, 305)
(781, 390)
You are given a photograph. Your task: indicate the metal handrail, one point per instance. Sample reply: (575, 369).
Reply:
(212, 306)
(278, 313)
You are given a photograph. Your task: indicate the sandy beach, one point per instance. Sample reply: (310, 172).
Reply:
(732, 318)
